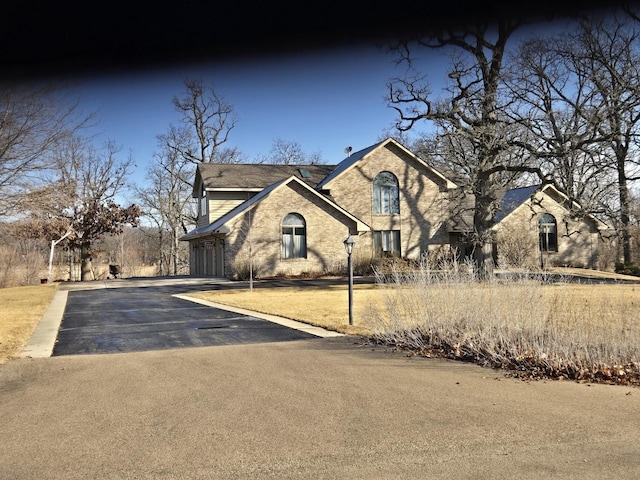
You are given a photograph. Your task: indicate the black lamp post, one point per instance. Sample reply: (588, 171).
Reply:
(348, 246)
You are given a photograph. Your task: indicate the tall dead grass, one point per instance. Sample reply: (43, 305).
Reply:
(534, 328)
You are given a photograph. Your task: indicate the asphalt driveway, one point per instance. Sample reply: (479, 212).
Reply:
(321, 409)
(135, 315)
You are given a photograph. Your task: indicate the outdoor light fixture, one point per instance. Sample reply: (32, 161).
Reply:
(348, 246)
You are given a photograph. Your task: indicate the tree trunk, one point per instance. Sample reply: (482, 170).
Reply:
(86, 270)
(161, 251)
(482, 223)
(174, 249)
(625, 217)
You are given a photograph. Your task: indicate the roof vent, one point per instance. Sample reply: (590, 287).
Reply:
(348, 151)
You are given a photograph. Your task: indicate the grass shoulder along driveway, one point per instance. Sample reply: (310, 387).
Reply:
(326, 307)
(21, 308)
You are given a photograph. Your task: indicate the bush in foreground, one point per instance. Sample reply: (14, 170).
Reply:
(529, 328)
(627, 268)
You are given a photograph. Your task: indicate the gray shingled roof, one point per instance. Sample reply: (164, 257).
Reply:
(513, 199)
(347, 162)
(258, 176)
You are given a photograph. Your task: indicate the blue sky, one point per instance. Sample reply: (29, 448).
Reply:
(325, 101)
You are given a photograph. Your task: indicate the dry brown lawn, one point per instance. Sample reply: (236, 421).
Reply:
(21, 308)
(326, 307)
(573, 304)
(577, 331)
(598, 306)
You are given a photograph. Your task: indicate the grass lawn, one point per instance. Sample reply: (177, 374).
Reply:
(607, 316)
(21, 308)
(326, 307)
(577, 331)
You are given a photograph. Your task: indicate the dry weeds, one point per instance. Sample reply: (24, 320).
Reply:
(529, 328)
(532, 329)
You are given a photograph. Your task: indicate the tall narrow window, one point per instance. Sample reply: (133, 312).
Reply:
(294, 236)
(548, 233)
(386, 243)
(203, 202)
(386, 194)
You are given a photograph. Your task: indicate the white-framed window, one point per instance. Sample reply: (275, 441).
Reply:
(386, 199)
(294, 236)
(548, 229)
(203, 202)
(386, 243)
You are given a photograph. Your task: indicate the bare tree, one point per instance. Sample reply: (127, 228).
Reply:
(607, 47)
(558, 109)
(93, 179)
(33, 121)
(472, 124)
(288, 152)
(166, 200)
(206, 123)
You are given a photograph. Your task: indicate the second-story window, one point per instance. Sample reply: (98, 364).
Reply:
(386, 199)
(203, 202)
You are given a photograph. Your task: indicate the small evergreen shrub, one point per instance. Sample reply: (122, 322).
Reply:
(627, 268)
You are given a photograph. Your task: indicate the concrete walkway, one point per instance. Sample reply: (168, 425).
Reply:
(42, 341)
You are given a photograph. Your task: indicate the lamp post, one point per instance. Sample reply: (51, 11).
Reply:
(348, 246)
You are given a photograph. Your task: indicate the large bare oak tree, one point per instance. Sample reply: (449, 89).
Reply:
(471, 123)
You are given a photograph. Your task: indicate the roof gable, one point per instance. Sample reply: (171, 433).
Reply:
(346, 164)
(512, 199)
(349, 162)
(219, 225)
(516, 197)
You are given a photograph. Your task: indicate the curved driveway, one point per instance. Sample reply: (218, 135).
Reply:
(139, 315)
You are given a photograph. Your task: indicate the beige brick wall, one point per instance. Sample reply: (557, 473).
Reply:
(260, 230)
(578, 240)
(423, 207)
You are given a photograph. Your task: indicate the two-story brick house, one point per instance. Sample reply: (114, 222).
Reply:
(293, 219)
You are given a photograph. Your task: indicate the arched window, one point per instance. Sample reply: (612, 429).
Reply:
(548, 229)
(294, 236)
(385, 194)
